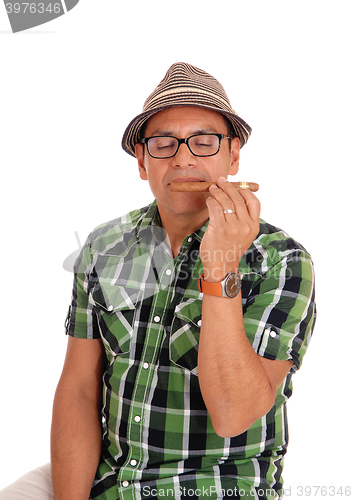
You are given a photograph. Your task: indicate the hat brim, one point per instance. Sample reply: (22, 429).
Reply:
(132, 134)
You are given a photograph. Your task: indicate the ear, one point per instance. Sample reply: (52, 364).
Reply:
(139, 152)
(235, 156)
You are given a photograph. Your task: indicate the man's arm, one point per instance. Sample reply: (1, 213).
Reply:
(237, 385)
(76, 425)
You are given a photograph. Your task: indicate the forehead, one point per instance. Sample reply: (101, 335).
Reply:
(188, 119)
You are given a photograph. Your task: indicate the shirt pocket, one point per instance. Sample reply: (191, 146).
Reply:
(185, 335)
(115, 307)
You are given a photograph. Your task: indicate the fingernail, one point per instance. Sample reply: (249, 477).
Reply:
(223, 179)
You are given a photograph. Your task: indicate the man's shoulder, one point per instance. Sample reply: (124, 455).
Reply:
(109, 232)
(271, 246)
(275, 237)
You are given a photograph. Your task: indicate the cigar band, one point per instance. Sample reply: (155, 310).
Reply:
(243, 185)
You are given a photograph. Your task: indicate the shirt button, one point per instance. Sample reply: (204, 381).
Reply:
(110, 308)
(137, 418)
(168, 272)
(133, 462)
(189, 239)
(199, 323)
(145, 365)
(157, 319)
(125, 483)
(273, 334)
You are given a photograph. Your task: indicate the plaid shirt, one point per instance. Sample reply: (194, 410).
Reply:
(158, 439)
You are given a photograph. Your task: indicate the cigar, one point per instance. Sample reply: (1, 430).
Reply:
(203, 186)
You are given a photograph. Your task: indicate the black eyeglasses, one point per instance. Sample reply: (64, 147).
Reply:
(199, 145)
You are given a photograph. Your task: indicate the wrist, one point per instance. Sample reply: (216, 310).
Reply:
(229, 287)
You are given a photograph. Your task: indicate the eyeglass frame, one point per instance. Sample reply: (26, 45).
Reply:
(145, 140)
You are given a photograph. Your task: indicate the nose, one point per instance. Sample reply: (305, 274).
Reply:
(184, 157)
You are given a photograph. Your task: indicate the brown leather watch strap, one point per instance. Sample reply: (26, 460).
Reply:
(209, 288)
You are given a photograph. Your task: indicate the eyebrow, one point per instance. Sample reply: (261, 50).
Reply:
(204, 130)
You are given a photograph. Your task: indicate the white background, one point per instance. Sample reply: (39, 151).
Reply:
(69, 88)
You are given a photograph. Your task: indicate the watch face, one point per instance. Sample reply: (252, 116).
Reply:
(233, 285)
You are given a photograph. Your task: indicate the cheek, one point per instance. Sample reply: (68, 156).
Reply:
(155, 181)
(219, 169)
(151, 175)
(155, 171)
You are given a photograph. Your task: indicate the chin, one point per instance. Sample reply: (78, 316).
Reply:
(189, 206)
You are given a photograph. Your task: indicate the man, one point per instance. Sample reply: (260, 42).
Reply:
(197, 314)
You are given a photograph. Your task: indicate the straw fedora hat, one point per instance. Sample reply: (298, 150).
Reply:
(185, 85)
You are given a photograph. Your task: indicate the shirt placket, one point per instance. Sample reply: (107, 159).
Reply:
(139, 410)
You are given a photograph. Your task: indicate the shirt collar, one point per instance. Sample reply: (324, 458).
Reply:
(152, 218)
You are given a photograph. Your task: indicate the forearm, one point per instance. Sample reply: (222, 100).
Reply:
(233, 381)
(75, 444)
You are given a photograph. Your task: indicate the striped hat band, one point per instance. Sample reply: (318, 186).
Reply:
(185, 85)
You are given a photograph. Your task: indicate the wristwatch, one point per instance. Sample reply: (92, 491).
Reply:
(229, 287)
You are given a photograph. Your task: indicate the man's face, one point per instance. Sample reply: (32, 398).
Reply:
(182, 122)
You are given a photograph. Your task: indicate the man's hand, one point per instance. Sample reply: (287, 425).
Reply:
(228, 236)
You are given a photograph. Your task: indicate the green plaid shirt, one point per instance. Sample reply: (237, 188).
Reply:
(158, 439)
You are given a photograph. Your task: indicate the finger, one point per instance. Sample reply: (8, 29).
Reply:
(233, 197)
(252, 203)
(215, 212)
(245, 202)
(222, 198)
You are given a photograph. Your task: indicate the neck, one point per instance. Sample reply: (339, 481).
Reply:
(179, 226)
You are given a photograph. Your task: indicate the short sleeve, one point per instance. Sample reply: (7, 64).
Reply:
(81, 318)
(280, 312)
